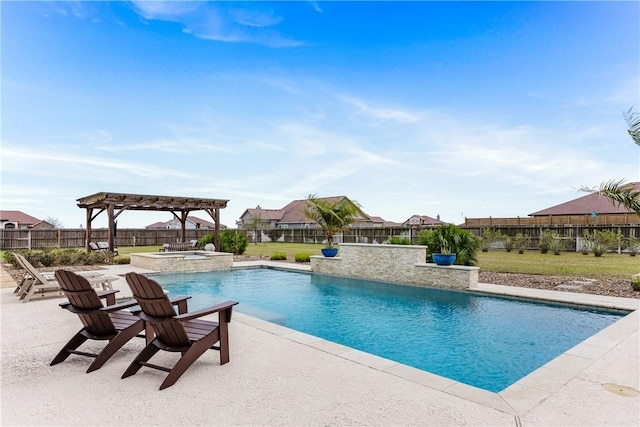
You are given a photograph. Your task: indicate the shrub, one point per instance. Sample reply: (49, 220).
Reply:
(397, 240)
(546, 241)
(489, 236)
(558, 243)
(232, 241)
(278, 256)
(303, 257)
(587, 243)
(508, 243)
(603, 240)
(459, 241)
(9, 258)
(521, 242)
(635, 283)
(209, 238)
(122, 260)
(633, 245)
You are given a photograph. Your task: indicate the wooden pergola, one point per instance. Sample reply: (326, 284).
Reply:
(116, 203)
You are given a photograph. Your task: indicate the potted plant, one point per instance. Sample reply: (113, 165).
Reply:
(332, 217)
(450, 240)
(444, 257)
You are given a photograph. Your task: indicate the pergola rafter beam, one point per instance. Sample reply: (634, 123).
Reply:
(116, 203)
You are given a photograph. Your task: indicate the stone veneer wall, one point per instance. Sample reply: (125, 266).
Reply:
(176, 261)
(395, 264)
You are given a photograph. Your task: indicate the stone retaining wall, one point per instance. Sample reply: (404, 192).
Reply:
(395, 264)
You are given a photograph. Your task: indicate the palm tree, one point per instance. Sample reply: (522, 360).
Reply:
(633, 120)
(617, 191)
(332, 217)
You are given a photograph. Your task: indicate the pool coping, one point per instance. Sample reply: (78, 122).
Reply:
(549, 392)
(518, 398)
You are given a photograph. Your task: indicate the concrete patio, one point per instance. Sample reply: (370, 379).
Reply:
(278, 376)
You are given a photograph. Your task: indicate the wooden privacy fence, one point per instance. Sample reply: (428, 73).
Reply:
(75, 238)
(612, 219)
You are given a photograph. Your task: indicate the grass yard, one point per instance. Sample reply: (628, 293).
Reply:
(609, 265)
(291, 249)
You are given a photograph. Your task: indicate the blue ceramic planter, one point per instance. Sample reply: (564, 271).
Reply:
(329, 252)
(444, 259)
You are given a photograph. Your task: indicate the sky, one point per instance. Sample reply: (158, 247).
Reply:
(458, 109)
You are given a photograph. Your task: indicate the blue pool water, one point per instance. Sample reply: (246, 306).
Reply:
(488, 342)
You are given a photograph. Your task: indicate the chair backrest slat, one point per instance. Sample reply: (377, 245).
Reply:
(156, 304)
(83, 296)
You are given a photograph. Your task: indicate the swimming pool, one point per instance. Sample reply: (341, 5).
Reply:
(484, 341)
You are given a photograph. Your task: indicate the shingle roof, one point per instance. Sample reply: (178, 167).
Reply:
(267, 214)
(193, 219)
(17, 216)
(585, 205)
(293, 213)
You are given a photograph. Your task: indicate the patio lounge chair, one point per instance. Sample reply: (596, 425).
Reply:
(111, 322)
(35, 283)
(183, 333)
(102, 246)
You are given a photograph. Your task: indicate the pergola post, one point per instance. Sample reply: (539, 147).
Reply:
(111, 226)
(217, 229)
(87, 233)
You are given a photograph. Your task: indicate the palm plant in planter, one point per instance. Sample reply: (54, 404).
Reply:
(451, 239)
(332, 217)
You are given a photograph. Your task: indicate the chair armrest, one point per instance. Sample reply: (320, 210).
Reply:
(109, 295)
(122, 305)
(227, 305)
(181, 302)
(104, 294)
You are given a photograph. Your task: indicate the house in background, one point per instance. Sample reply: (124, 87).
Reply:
(423, 221)
(592, 205)
(12, 220)
(192, 223)
(292, 216)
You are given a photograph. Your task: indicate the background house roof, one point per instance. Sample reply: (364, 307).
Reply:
(423, 220)
(293, 213)
(585, 205)
(195, 220)
(18, 216)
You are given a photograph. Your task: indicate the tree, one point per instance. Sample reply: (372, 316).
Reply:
(256, 224)
(55, 222)
(633, 121)
(331, 217)
(617, 191)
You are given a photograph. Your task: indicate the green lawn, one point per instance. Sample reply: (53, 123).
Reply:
(531, 262)
(566, 264)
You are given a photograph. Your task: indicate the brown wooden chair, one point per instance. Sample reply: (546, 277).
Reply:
(183, 333)
(111, 322)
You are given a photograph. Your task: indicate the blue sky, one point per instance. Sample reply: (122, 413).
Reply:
(457, 109)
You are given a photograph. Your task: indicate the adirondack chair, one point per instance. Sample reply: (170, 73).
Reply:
(110, 323)
(183, 333)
